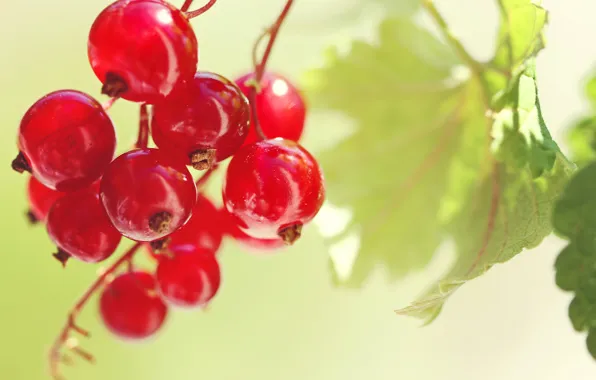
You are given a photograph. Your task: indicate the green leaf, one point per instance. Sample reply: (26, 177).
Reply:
(582, 141)
(521, 35)
(394, 170)
(433, 160)
(591, 342)
(574, 218)
(582, 135)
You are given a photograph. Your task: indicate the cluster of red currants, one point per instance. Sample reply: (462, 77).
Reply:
(145, 51)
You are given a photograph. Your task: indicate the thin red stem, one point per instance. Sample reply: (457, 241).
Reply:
(143, 138)
(186, 5)
(56, 356)
(200, 11)
(273, 32)
(109, 103)
(260, 66)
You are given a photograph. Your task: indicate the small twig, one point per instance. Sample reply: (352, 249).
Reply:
(143, 137)
(260, 65)
(199, 11)
(56, 357)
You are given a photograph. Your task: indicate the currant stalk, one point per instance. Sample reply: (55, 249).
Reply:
(65, 338)
(196, 12)
(260, 66)
(143, 137)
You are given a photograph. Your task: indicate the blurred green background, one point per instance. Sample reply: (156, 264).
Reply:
(278, 316)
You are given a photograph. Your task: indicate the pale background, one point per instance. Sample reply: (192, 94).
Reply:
(278, 317)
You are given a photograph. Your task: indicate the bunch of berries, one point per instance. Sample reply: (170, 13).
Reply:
(145, 51)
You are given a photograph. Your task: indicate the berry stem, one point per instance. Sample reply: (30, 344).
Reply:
(143, 138)
(63, 338)
(197, 12)
(259, 66)
(186, 5)
(108, 104)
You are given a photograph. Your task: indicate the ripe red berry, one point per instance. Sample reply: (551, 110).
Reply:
(41, 199)
(202, 122)
(272, 188)
(68, 140)
(280, 107)
(147, 195)
(77, 224)
(204, 229)
(141, 49)
(130, 306)
(188, 276)
(246, 240)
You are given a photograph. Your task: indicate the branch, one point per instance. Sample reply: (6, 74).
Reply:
(64, 339)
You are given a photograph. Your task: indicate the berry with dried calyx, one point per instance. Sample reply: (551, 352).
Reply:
(147, 195)
(203, 122)
(272, 188)
(67, 139)
(142, 49)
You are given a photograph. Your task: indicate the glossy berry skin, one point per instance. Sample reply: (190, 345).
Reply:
(41, 198)
(77, 224)
(68, 140)
(141, 49)
(273, 185)
(280, 107)
(188, 276)
(147, 195)
(130, 306)
(204, 229)
(254, 244)
(209, 112)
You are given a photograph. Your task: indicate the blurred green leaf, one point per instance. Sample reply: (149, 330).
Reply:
(521, 33)
(432, 160)
(582, 141)
(582, 134)
(574, 218)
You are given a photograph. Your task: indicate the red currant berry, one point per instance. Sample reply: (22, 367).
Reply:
(147, 195)
(141, 49)
(130, 306)
(68, 140)
(78, 224)
(41, 199)
(272, 188)
(248, 241)
(280, 107)
(188, 276)
(204, 121)
(204, 229)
